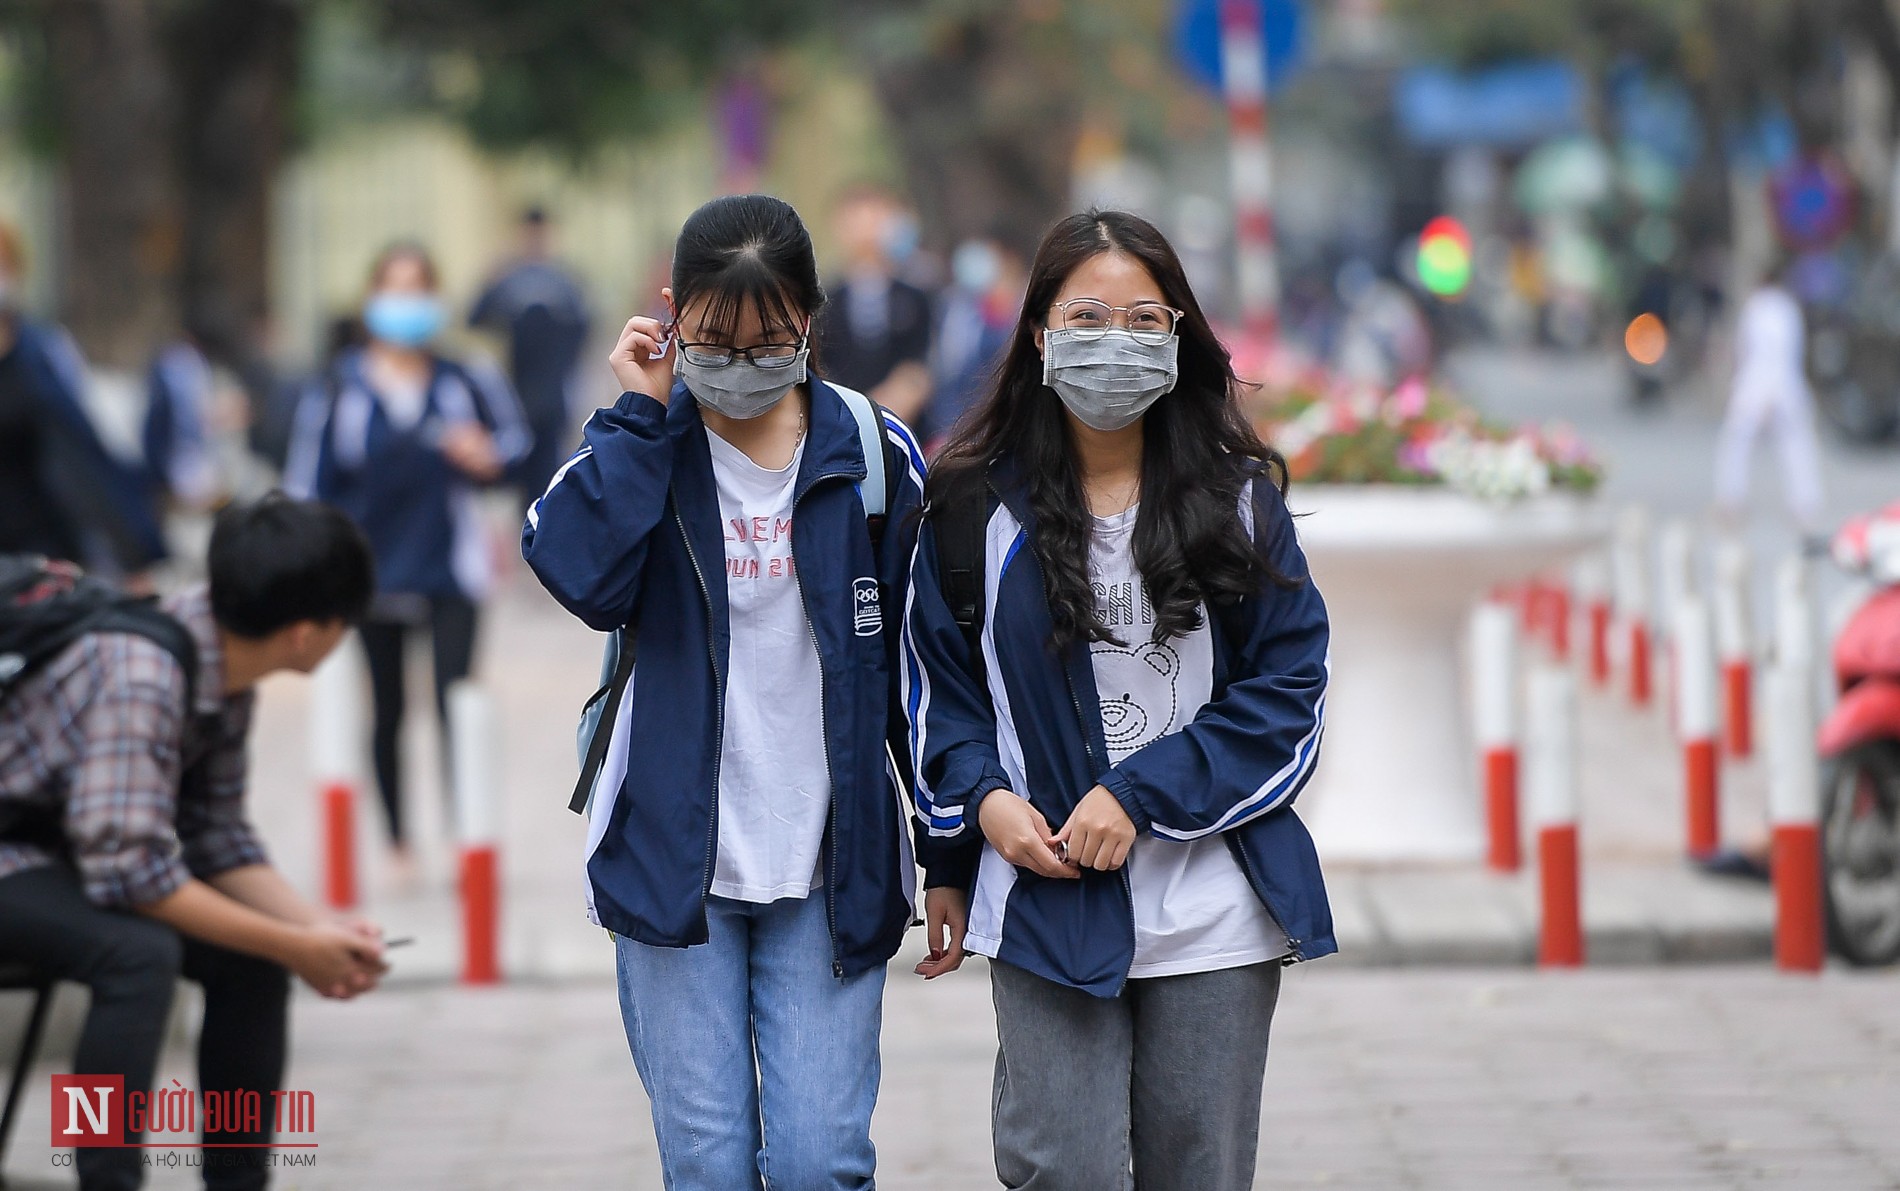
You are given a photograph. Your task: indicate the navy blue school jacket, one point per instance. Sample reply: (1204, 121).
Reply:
(629, 533)
(1037, 731)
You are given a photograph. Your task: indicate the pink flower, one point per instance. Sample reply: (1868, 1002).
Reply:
(1409, 399)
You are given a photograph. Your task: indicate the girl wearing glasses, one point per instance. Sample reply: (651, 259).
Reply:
(1117, 716)
(747, 846)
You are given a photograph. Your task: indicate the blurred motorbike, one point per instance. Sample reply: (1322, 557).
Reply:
(1859, 745)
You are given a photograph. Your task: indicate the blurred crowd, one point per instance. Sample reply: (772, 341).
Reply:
(425, 435)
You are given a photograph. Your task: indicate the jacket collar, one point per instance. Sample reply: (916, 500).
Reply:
(832, 447)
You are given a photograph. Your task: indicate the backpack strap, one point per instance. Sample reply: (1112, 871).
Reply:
(960, 525)
(875, 490)
(597, 718)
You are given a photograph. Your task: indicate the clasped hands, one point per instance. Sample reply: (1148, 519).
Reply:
(1098, 835)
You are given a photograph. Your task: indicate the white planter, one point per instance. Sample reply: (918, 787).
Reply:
(1400, 569)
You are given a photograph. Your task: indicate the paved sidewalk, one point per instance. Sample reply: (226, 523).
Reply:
(1380, 1079)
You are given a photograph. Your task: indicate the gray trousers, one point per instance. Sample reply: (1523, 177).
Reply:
(1157, 1089)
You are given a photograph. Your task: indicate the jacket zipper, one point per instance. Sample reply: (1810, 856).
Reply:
(719, 702)
(1253, 882)
(824, 728)
(1128, 889)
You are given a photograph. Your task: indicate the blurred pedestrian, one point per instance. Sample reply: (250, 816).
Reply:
(63, 494)
(1112, 629)
(402, 437)
(978, 315)
(127, 858)
(1385, 337)
(540, 307)
(180, 450)
(874, 333)
(748, 847)
(1771, 394)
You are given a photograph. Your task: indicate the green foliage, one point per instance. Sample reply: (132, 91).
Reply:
(575, 73)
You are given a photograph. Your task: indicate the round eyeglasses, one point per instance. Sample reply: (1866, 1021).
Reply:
(1149, 322)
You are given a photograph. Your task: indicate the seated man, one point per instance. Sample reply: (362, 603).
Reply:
(125, 856)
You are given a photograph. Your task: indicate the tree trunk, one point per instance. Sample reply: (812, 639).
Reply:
(986, 123)
(114, 109)
(234, 63)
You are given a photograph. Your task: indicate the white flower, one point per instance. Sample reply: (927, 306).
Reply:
(1489, 470)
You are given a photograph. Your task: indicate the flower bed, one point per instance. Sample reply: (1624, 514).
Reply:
(1349, 434)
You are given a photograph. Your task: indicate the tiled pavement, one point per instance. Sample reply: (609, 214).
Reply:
(1463, 1079)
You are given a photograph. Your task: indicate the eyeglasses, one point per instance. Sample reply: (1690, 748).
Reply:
(1149, 322)
(764, 355)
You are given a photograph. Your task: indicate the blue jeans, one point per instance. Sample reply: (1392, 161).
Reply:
(761, 1065)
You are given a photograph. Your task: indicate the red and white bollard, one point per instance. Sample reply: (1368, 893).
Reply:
(1629, 563)
(473, 752)
(1794, 805)
(1734, 647)
(1243, 58)
(1591, 582)
(1494, 720)
(1794, 613)
(1551, 789)
(1675, 582)
(1696, 724)
(1557, 598)
(336, 745)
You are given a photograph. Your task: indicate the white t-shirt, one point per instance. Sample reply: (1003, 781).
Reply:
(1770, 338)
(1194, 908)
(774, 780)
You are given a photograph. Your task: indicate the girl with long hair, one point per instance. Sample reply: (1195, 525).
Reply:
(1116, 666)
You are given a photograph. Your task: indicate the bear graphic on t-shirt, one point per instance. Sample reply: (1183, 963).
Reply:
(1137, 692)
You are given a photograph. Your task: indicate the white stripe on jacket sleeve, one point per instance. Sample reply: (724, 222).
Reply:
(1273, 792)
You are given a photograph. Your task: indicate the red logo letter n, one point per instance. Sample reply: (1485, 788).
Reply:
(88, 1110)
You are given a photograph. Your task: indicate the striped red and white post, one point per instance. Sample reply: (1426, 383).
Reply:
(1551, 792)
(1794, 804)
(476, 775)
(1557, 618)
(1675, 582)
(1629, 561)
(1693, 646)
(1795, 623)
(1734, 647)
(1243, 55)
(1591, 581)
(1494, 718)
(336, 745)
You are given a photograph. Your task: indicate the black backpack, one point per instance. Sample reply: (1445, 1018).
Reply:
(959, 527)
(45, 606)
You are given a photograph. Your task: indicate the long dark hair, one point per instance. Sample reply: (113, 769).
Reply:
(1198, 451)
(743, 249)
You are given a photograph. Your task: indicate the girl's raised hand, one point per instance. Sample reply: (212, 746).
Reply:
(643, 359)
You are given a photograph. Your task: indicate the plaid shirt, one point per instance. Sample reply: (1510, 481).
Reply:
(97, 752)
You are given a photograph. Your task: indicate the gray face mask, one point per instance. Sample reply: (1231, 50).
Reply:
(741, 389)
(1110, 380)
